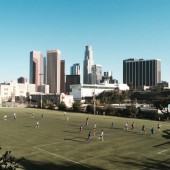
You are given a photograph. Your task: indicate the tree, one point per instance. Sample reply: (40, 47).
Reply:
(10, 99)
(77, 106)
(161, 103)
(110, 110)
(47, 104)
(132, 111)
(89, 108)
(21, 99)
(62, 106)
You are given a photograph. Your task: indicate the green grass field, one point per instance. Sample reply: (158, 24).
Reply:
(57, 144)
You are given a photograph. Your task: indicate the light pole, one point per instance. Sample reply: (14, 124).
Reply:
(41, 74)
(30, 100)
(94, 101)
(94, 97)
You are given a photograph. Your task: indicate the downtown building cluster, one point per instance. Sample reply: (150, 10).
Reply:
(47, 76)
(50, 71)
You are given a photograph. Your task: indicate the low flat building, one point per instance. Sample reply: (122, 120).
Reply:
(14, 89)
(39, 98)
(80, 91)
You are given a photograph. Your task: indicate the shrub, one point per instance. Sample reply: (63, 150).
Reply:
(89, 108)
(110, 110)
(77, 106)
(151, 114)
(62, 106)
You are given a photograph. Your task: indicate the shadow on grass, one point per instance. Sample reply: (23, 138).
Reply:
(34, 165)
(81, 140)
(73, 125)
(166, 134)
(69, 131)
(140, 164)
(27, 126)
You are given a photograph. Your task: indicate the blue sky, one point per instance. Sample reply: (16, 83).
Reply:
(116, 29)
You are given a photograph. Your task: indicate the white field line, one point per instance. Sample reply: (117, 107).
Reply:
(162, 151)
(32, 153)
(110, 134)
(79, 163)
(56, 155)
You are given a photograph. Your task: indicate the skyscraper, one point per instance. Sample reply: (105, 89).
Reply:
(36, 68)
(62, 77)
(75, 69)
(45, 70)
(88, 62)
(139, 72)
(54, 70)
(74, 77)
(96, 74)
(70, 80)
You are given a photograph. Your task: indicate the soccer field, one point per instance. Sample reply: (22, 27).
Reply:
(58, 144)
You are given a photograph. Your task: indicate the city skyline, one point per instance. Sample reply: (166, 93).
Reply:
(116, 30)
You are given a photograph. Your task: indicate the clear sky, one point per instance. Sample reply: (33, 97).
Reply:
(116, 29)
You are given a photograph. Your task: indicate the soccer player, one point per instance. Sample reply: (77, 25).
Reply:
(143, 129)
(87, 121)
(159, 127)
(89, 138)
(133, 125)
(81, 128)
(15, 116)
(126, 126)
(94, 129)
(152, 131)
(113, 124)
(101, 136)
(37, 125)
(5, 117)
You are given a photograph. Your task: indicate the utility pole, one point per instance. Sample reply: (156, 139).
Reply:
(41, 74)
(94, 95)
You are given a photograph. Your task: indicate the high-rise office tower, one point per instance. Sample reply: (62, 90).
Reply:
(36, 68)
(96, 74)
(75, 69)
(45, 70)
(62, 77)
(138, 72)
(74, 77)
(54, 70)
(87, 65)
(71, 79)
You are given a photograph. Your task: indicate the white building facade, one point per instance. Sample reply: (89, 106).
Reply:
(80, 91)
(67, 99)
(13, 89)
